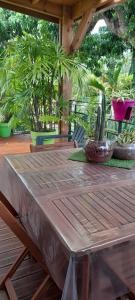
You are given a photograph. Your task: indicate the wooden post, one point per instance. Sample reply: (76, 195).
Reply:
(66, 29)
(71, 41)
(66, 38)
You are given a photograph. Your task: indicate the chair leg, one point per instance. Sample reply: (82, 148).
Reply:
(14, 267)
(10, 219)
(131, 296)
(42, 288)
(6, 283)
(20, 232)
(10, 290)
(4, 200)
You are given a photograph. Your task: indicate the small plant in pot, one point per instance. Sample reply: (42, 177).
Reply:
(98, 149)
(125, 145)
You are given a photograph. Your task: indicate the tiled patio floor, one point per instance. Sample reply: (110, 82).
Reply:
(15, 144)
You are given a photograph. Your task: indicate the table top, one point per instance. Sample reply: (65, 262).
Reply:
(89, 206)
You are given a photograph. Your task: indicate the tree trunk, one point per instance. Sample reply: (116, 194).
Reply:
(132, 69)
(36, 110)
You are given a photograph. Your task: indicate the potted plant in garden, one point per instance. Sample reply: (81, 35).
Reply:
(125, 145)
(5, 126)
(99, 149)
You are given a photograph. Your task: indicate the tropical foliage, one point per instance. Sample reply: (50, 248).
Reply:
(103, 46)
(30, 73)
(32, 64)
(126, 137)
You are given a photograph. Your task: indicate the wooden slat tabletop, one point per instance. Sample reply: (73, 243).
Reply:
(88, 205)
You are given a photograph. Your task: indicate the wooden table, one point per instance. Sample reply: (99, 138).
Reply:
(79, 214)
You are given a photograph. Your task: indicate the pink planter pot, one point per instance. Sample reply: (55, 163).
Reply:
(122, 109)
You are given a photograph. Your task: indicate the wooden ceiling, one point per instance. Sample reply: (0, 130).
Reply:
(52, 10)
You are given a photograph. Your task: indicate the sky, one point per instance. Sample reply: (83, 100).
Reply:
(99, 24)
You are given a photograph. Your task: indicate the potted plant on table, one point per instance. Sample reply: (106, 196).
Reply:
(125, 145)
(99, 149)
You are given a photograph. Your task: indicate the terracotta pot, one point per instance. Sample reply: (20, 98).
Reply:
(125, 151)
(122, 109)
(98, 151)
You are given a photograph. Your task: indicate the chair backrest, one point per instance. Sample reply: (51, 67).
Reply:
(40, 139)
(56, 146)
(79, 135)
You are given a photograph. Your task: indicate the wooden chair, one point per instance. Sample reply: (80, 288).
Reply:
(56, 146)
(9, 216)
(77, 136)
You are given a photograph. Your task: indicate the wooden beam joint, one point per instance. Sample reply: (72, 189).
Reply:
(35, 2)
(82, 6)
(82, 29)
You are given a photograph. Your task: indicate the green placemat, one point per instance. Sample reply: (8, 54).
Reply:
(118, 163)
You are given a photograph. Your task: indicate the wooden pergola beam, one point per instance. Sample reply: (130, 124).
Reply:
(35, 2)
(42, 8)
(81, 7)
(112, 3)
(53, 10)
(82, 29)
(28, 12)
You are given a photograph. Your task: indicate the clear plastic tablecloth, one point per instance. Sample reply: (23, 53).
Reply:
(96, 273)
